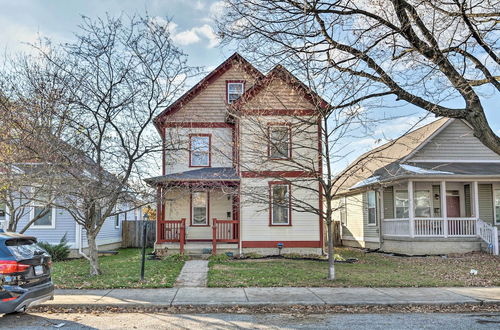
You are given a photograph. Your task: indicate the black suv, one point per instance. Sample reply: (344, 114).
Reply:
(24, 273)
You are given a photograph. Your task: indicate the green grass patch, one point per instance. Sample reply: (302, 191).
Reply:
(372, 270)
(118, 271)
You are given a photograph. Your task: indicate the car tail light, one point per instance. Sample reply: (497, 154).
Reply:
(9, 299)
(11, 267)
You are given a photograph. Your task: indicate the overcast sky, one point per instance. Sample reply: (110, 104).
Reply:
(22, 21)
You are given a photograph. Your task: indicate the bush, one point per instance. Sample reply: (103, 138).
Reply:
(58, 252)
(177, 257)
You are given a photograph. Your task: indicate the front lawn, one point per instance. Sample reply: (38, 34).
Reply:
(372, 270)
(119, 271)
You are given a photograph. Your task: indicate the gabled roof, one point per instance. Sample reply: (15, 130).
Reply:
(280, 72)
(366, 165)
(212, 76)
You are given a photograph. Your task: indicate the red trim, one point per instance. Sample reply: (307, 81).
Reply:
(209, 79)
(190, 124)
(284, 183)
(320, 188)
(209, 149)
(163, 144)
(279, 112)
(191, 208)
(233, 82)
(282, 124)
(286, 244)
(279, 174)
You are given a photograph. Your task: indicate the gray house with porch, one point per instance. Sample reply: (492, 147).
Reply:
(435, 190)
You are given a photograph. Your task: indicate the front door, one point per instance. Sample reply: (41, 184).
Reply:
(453, 206)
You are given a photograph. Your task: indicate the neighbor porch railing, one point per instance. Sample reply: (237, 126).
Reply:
(489, 234)
(430, 227)
(224, 231)
(172, 231)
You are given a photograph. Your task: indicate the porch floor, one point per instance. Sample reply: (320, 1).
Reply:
(198, 248)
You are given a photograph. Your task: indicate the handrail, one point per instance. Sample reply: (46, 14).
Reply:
(172, 231)
(226, 231)
(488, 234)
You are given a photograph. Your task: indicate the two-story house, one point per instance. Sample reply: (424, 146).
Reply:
(231, 148)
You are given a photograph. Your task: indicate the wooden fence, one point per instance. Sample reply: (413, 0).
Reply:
(132, 233)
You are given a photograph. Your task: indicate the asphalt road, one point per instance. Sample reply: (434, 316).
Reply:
(249, 321)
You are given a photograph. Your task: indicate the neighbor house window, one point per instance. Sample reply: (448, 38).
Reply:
(199, 211)
(279, 142)
(422, 204)
(372, 208)
(117, 221)
(401, 204)
(199, 150)
(42, 210)
(3, 211)
(280, 204)
(234, 90)
(497, 206)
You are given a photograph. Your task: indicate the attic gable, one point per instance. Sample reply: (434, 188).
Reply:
(456, 143)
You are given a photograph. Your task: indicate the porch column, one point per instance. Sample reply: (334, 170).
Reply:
(411, 209)
(444, 211)
(475, 192)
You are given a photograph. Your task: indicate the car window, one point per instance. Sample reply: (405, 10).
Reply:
(24, 248)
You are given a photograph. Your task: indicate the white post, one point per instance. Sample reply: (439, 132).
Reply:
(444, 211)
(475, 191)
(381, 204)
(495, 240)
(411, 208)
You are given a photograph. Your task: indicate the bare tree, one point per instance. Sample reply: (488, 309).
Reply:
(441, 56)
(106, 87)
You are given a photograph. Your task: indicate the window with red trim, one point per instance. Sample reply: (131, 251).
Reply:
(199, 150)
(234, 90)
(280, 201)
(280, 142)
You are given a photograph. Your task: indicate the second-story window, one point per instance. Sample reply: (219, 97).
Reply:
(199, 150)
(279, 142)
(234, 90)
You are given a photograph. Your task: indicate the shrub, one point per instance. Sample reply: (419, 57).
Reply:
(59, 251)
(219, 258)
(177, 257)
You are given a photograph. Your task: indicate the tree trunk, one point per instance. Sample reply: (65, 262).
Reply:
(93, 255)
(331, 258)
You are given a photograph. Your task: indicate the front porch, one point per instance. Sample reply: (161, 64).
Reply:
(442, 211)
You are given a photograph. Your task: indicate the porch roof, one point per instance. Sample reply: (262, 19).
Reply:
(396, 171)
(203, 174)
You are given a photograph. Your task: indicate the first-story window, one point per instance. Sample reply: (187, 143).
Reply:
(422, 204)
(199, 148)
(343, 211)
(3, 212)
(279, 142)
(280, 204)
(117, 221)
(401, 204)
(372, 208)
(497, 206)
(199, 200)
(45, 216)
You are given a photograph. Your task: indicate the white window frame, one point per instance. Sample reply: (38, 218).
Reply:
(374, 207)
(117, 217)
(53, 218)
(192, 151)
(229, 84)
(395, 206)
(207, 201)
(272, 143)
(289, 213)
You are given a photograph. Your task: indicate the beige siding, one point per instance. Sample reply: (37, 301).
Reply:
(467, 201)
(210, 104)
(455, 142)
(486, 202)
(255, 215)
(177, 206)
(436, 203)
(354, 224)
(178, 160)
(279, 95)
(389, 203)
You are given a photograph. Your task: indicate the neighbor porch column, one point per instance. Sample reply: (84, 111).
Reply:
(475, 192)
(444, 211)
(411, 209)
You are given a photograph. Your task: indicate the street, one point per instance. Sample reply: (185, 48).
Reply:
(98, 320)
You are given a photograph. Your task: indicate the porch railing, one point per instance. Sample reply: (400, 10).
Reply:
(225, 231)
(431, 227)
(172, 231)
(489, 234)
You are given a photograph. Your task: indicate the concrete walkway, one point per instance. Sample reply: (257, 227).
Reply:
(194, 273)
(274, 296)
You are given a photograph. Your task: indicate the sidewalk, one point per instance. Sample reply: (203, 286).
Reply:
(288, 296)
